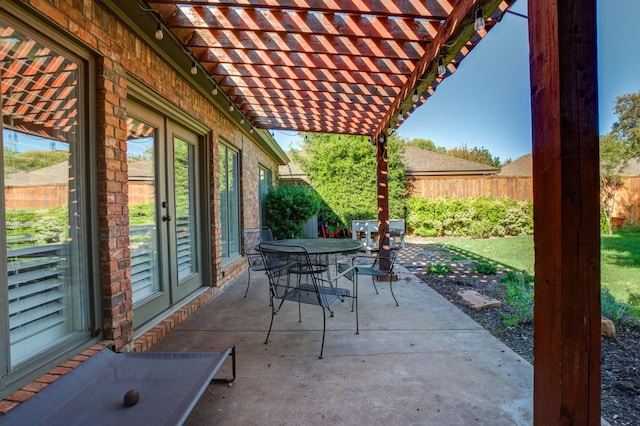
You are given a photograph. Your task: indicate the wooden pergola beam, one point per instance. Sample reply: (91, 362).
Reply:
(564, 90)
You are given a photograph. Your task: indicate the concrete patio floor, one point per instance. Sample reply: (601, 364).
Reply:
(421, 363)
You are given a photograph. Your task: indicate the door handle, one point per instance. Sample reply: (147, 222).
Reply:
(166, 218)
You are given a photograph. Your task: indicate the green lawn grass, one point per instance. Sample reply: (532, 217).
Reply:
(512, 252)
(620, 257)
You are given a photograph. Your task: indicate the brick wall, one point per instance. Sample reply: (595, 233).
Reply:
(120, 52)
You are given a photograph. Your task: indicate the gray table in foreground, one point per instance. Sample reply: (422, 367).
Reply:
(169, 385)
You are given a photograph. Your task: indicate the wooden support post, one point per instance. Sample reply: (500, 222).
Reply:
(563, 60)
(383, 201)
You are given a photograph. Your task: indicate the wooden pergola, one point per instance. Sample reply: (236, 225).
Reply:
(361, 67)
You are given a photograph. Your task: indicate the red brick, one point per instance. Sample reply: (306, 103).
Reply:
(60, 371)
(20, 396)
(6, 406)
(35, 387)
(48, 378)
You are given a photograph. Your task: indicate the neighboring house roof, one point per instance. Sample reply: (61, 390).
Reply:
(141, 169)
(519, 167)
(422, 162)
(59, 174)
(523, 166)
(292, 172)
(50, 175)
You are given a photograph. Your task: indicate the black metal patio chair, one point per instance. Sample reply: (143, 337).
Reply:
(251, 238)
(279, 260)
(376, 266)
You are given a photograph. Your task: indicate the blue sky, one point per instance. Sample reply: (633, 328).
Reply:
(486, 102)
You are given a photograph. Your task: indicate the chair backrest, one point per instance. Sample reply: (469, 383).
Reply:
(395, 237)
(386, 257)
(251, 238)
(279, 261)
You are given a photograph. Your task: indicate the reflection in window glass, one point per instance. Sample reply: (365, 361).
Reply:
(264, 183)
(184, 165)
(46, 298)
(143, 239)
(229, 202)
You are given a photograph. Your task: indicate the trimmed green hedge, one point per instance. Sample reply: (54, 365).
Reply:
(472, 217)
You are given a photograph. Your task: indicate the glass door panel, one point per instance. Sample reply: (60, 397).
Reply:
(147, 208)
(143, 238)
(185, 212)
(185, 228)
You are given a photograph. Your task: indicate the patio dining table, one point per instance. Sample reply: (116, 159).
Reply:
(321, 245)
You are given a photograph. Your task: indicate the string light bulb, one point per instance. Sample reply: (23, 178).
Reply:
(231, 108)
(159, 33)
(214, 89)
(242, 120)
(441, 68)
(400, 115)
(194, 68)
(478, 24)
(251, 130)
(415, 96)
(389, 130)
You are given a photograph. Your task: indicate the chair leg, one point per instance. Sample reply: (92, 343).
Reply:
(373, 279)
(391, 288)
(270, 324)
(355, 300)
(248, 283)
(356, 297)
(324, 328)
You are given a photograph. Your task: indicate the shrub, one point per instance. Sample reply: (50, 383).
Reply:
(518, 301)
(523, 277)
(485, 268)
(473, 217)
(36, 226)
(617, 312)
(439, 269)
(289, 208)
(518, 287)
(141, 214)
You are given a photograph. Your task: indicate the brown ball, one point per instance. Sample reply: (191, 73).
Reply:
(131, 398)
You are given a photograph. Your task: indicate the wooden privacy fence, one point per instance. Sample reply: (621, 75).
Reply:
(36, 196)
(515, 187)
(627, 202)
(57, 195)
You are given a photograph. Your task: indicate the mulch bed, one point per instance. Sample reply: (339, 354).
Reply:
(620, 355)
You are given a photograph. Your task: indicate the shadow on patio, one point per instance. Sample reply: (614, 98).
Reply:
(424, 362)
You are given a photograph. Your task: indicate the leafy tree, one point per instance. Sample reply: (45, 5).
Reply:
(427, 144)
(342, 169)
(614, 158)
(627, 128)
(479, 155)
(34, 159)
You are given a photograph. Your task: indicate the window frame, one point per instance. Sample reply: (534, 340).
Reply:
(262, 191)
(230, 256)
(86, 186)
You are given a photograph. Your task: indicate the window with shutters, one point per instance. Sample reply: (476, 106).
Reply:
(44, 299)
